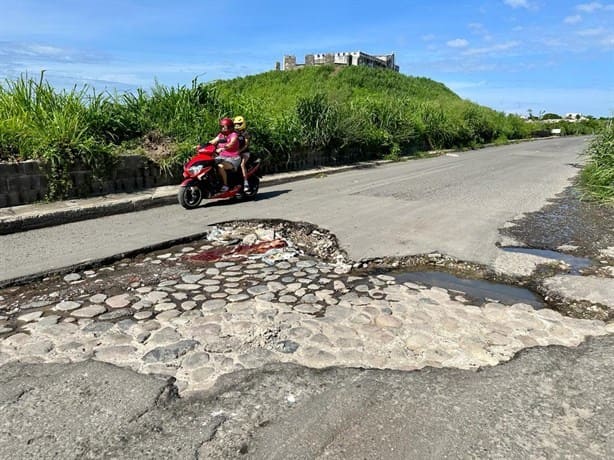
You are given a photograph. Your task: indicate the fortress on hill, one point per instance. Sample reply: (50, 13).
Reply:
(345, 58)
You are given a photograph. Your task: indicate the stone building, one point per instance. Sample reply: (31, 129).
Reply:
(386, 61)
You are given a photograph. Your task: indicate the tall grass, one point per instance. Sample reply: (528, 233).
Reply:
(598, 175)
(40, 122)
(348, 114)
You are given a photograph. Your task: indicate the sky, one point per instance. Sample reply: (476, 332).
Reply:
(515, 56)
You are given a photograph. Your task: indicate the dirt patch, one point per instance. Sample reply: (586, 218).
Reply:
(157, 147)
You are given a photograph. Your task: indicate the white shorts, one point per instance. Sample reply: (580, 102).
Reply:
(234, 161)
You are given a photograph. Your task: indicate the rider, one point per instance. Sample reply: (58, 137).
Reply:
(227, 143)
(244, 138)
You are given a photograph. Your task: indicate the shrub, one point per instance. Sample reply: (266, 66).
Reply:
(598, 174)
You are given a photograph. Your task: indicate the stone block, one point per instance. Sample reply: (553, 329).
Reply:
(29, 167)
(13, 198)
(79, 178)
(127, 184)
(149, 182)
(35, 182)
(130, 163)
(18, 183)
(108, 186)
(30, 196)
(9, 169)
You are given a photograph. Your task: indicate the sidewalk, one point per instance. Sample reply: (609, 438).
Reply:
(37, 215)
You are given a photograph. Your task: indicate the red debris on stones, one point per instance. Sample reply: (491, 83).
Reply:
(236, 252)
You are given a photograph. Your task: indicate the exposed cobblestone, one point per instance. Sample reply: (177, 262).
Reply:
(196, 320)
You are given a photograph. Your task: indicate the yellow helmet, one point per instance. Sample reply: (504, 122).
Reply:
(239, 123)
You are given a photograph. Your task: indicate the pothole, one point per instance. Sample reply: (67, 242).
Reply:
(248, 294)
(475, 291)
(273, 243)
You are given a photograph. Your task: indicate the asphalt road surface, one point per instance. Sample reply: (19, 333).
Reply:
(550, 402)
(453, 204)
(547, 402)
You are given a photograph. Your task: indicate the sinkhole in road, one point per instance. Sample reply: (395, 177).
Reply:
(478, 291)
(575, 263)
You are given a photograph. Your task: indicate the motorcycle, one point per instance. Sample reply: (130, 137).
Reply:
(203, 181)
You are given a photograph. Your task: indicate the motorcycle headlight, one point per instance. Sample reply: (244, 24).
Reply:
(195, 169)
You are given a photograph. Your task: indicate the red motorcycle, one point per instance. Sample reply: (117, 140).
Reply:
(203, 181)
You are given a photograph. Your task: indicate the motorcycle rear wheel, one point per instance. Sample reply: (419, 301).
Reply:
(254, 184)
(189, 196)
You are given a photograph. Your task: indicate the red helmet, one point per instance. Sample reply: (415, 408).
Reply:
(228, 123)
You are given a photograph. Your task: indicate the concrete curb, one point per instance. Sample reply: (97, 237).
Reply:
(30, 217)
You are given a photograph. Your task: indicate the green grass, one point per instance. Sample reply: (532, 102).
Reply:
(598, 175)
(346, 113)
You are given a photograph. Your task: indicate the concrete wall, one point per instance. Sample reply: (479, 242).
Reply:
(26, 182)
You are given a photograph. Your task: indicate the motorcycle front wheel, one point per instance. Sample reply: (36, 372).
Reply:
(189, 196)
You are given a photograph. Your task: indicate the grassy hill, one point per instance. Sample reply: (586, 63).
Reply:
(344, 114)
(341, 84)
(357, 113)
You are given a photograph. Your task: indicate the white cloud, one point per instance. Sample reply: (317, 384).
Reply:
(572, 19)
(492, 49)
(479, 29)
(517, 3)
(13, 51)
(457, 43)
(589, 7)
(591, 32)
(554, 42)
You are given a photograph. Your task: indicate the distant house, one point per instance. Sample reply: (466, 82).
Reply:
(386, 61)
(574, 117)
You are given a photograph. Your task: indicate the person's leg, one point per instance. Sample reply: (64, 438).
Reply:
(224, 176)
(244, 171)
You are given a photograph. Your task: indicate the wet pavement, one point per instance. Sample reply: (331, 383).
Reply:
(570, 226)
(201, 310)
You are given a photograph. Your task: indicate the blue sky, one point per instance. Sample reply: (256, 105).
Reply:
(510, 55)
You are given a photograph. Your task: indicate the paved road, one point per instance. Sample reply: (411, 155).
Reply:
(547, 403)
(453, 204)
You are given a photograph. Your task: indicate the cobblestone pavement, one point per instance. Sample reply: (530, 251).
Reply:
(169, 313)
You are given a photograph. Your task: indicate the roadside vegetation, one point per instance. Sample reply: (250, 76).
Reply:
(347, 114)
(598, 174)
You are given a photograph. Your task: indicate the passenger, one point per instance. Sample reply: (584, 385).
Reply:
(244, 139)
(227, 143)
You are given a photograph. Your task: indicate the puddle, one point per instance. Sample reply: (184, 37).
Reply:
(478, 291)
(576, 263)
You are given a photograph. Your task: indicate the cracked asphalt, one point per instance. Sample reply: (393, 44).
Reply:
(293, 354)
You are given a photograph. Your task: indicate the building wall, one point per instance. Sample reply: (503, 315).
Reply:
(343, 58)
